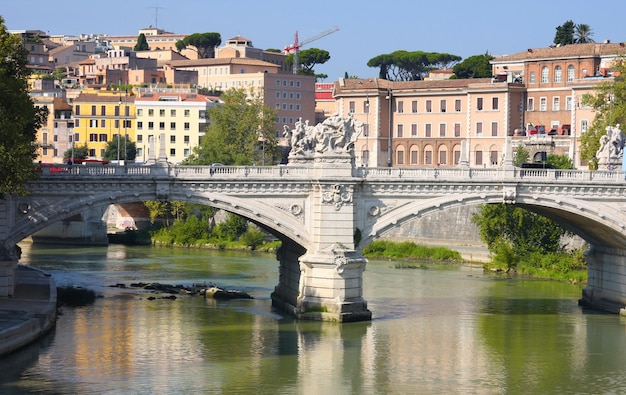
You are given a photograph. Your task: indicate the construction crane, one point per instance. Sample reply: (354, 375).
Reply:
(295, 47)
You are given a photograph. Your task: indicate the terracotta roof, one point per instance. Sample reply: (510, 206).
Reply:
(61, 104)
(381, 84)
(95, 98)
(220, 61)
(239, 38)
(186, 97)
(565, 51)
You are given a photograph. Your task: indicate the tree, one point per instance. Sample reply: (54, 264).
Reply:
(204, 43)
(242, 131)
(125, 150)
(476, 66)
(583, 34)
(308, 58)
(513, 233)
(142, 43)
(80, 152)
(411, 66)
(565, 34)
(19, 118)
(609, 103)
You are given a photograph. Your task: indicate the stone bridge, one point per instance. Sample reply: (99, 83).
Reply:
(326, 211)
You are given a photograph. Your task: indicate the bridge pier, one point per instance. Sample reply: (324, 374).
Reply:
(606, 283)
(9, 259)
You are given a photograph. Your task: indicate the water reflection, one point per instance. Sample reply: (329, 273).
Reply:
(434, 331)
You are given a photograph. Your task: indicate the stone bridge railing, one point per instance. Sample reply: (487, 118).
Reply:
(374, 174)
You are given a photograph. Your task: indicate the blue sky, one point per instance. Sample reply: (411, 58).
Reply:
(367, 28)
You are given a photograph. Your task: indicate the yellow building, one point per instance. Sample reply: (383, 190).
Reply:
(99, 116)
(172, 120)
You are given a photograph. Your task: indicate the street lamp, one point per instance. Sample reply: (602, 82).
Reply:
(389, 138)
(119, 109)
(367, 131)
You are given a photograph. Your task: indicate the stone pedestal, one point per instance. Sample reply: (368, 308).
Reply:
(606, 284)
(8, 269)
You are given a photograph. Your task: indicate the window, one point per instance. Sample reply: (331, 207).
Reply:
(103, 110)
(531, 104)
(413, 130)
(150, 125)
(351, 106)
(186, 152)
(400, 157)
(429, 106)
(116, 111)
(544, 74)
(442, 130)
(92, 152)
(400, 105)
(584, 125)
(428, 130)
(172, 125)
(186, 126)
(366, 106)
(414, 156)
(172, 151)
(568, 102)
(479, 104)
(443, 157)
(400, 131)
(543, 104)
(494, 103)
(77, 109)
(187, 113)
(494, 129)
(140, 138)
(93, 137)
(479, 128)
(457, 130)
(103, 123)
(162, 112)
(457, 157)
(93, 110)
(366, 129)
(570, 73)
(478, 158)
(93, 123)
(161, 125)
(493, 157)
(428, 157)
(457, 105)
(172, 113)
(186, 139)
(442, 105)
(102, 137)
(140, 112)
(556, 103)
(532, 77)
(558, 74)
(414, 106)
(173, 138)
(150, 112)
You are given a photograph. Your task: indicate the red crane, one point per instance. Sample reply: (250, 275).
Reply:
(295, 47)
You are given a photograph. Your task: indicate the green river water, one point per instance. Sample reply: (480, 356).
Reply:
(439, 330)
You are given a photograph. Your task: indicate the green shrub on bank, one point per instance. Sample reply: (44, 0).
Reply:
(408, 250)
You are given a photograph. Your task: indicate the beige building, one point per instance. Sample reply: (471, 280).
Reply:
(534, 98)
(170, 119)
(423, 123)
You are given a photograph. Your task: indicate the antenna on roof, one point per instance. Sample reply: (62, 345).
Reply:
(156, 14)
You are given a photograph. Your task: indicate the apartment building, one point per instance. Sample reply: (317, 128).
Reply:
(423, 123)
(172, 120)
(101, 115)
(292, 95)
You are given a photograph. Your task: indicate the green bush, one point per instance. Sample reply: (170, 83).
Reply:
(408, 250)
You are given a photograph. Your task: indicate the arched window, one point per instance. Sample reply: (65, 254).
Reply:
(557, 74)
(570, 73)
(544, 74)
